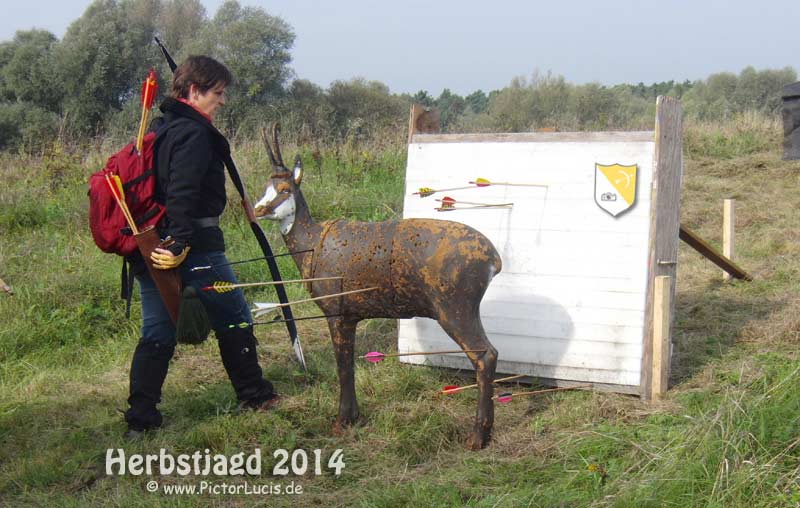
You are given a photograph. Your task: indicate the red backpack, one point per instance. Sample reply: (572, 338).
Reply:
(109, 228)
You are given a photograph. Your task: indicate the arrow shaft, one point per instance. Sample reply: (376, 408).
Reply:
(537, 392)
(460, 388)
(323, 297)
(121, 203)
(454, 202)
(268, 283)
(209, 267)
(324, 316)
(487, 184)
(425, 353)
(451, 208)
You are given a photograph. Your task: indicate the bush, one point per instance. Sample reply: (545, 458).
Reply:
(26, 126)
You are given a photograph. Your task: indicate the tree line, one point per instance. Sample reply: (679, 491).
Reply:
(87, 84)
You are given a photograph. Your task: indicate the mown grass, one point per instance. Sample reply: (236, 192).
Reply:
(726, 435)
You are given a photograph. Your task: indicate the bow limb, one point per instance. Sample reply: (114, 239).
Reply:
(274, 271)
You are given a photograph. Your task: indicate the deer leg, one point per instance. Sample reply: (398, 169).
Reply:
(343, 335)
(469, 334)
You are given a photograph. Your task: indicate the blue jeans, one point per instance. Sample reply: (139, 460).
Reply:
(224, 309)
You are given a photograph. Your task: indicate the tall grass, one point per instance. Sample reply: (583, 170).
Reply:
(726, 435)
(744, 134)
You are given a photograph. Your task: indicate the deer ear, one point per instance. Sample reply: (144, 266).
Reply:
(297, 172)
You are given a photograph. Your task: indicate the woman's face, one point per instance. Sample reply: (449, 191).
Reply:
(209, 101)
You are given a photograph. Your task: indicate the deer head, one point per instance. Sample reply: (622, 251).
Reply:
(279, 202)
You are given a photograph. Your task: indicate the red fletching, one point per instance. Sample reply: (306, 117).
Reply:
(449, 389)
(374, 356)
(448, 201)
(505, 398)
(149, 89)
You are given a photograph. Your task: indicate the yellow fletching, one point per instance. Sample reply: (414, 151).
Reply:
(118, 182)
(223, 287)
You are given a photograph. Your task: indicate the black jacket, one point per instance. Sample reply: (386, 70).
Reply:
(191, 176)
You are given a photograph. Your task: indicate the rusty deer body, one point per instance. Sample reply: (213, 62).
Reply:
(420, 267)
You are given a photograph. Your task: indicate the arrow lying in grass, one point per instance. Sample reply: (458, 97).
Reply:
(505, 398)
(449, 204)
(377, 356)
(449, 389)
(224, 287)
(265, 308)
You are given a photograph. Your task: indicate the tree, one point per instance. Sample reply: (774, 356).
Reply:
(103, 58)
(477, 101)
(451, 106)
(422, 97)
(27, 70)
(308, 110)
(255, 47)
(178, 23)
(362, 107)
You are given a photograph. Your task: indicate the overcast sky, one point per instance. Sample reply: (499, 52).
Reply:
(468, 45)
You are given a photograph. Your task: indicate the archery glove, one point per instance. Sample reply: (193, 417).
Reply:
(168, 261)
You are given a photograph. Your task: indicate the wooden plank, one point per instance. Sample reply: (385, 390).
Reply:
(661, 336)
(665, 219)
(701, 246)
(535, 137)
(728, 221)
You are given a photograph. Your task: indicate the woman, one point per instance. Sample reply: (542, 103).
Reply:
(191, 183)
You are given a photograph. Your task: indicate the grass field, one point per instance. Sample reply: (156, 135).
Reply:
(727, 434)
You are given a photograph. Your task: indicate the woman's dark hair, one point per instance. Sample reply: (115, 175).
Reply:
(201, 71)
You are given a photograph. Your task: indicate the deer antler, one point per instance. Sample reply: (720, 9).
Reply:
(276, 127)
(265, 137)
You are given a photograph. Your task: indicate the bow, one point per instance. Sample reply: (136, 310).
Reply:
(260, 237)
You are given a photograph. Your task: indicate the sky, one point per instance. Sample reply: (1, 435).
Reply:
(469, 45)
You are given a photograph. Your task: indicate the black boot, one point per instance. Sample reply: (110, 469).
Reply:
(148, 371)
(237, 347)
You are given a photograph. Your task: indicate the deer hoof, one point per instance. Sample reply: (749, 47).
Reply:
(478, 441)
(338, 429)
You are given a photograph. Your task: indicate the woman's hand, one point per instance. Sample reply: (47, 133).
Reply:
(165, 260)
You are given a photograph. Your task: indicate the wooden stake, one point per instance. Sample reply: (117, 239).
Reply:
(728, 222)
(661, 339)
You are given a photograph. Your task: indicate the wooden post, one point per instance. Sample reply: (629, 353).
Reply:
(662, 305)
(728, 220)
(664, 224)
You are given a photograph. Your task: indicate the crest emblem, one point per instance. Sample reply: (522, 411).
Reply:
(615, 187)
